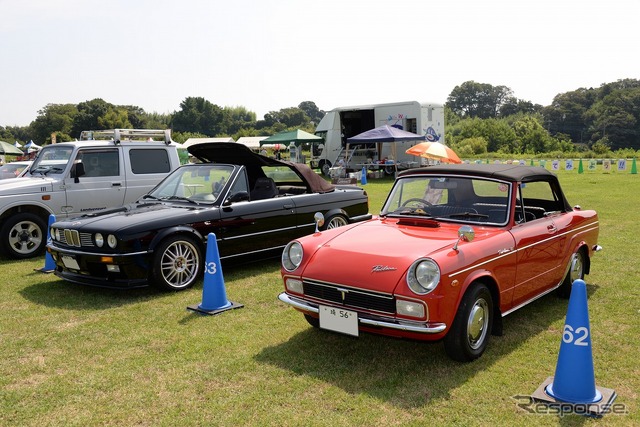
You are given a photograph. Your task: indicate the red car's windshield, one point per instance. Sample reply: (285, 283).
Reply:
(455, 198)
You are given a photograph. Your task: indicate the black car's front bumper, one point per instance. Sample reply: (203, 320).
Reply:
(106, 270)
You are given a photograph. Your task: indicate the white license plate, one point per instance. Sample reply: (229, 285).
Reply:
(339, 320)
(70, 262)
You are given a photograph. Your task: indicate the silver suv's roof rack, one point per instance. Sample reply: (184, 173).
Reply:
(118, 135)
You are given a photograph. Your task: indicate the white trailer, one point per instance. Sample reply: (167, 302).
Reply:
(344, 122)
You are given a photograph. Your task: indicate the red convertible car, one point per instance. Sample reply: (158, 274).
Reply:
(454, 250)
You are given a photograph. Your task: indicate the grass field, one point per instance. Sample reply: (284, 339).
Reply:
(78, 356)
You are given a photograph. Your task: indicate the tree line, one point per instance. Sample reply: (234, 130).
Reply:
(480, 119)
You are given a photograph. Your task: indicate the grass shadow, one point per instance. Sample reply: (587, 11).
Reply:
(408, 374)
(72, 296)
(62, 294)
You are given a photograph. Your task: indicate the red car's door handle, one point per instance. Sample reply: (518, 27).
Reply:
(551, 228)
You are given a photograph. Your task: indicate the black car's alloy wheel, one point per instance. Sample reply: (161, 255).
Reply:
(177, 263)
(336, 221)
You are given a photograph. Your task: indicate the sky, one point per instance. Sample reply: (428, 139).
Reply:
(266, 55)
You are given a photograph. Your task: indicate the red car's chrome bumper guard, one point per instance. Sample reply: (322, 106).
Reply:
(420, 327)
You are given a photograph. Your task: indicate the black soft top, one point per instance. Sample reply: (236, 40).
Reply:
(239, 154)
(514, 173)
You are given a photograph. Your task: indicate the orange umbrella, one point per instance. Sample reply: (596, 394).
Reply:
(436, 151)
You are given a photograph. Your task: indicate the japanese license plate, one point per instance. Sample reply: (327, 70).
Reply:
(70, 262)
(339, 320)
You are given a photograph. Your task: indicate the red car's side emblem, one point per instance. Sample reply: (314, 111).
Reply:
(382, 268)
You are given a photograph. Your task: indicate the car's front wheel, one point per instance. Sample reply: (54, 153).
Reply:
(177, 263)
(335, 221)
(23, 236)
(313, 321)
(576, 271)
(469, 334)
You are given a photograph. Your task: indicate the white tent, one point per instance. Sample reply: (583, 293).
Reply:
(253, 142)
(32, 146)
(193, 141)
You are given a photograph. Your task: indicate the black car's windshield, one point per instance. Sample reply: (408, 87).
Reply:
(450, 198)
(193, 183)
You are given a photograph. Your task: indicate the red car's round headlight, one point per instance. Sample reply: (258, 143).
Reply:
(292, 256)
(423, 276)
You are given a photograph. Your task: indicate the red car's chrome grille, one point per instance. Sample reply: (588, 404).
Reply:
(350, 297)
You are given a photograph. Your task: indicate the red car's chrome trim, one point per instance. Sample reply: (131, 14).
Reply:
(501, 254)
(403, 325)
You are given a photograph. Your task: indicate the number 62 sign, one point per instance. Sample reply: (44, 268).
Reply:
(579, 336)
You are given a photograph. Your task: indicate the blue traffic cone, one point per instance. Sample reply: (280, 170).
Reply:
(363, 177)
(214, 296)
(49, 263)
(574, 380)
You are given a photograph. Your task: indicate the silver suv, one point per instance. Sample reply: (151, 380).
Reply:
(104, 169)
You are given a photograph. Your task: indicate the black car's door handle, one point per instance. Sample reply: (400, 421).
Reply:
(288, 206)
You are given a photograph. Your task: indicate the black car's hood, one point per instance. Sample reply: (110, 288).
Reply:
(137, 217)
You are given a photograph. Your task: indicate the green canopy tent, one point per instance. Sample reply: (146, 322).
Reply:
(9, 149)
(298, 137)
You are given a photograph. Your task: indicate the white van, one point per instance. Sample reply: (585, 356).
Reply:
(344, 122)
(105, 169)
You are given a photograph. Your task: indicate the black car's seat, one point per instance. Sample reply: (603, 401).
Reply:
(264, 188)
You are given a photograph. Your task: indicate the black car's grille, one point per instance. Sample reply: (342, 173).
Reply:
(350, 297)
(75, 238)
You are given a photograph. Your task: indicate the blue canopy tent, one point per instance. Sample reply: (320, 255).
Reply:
(385, 133)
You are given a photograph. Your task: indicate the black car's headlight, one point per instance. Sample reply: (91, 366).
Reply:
(112, 241)
(423, 276)
(292, 256)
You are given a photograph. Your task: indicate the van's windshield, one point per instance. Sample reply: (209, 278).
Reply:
(51, 160)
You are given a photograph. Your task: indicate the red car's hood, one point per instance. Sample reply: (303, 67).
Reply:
(374, 254)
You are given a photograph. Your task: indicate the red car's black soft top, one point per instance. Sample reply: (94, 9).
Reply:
(239, 154)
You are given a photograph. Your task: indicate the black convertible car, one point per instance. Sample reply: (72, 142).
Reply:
(254, 205)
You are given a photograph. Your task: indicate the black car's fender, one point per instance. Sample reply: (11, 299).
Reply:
(334, 212)
(178, 229)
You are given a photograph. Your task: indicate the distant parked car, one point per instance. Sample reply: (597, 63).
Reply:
(255, 205)
(14, 169)
(454, 250)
